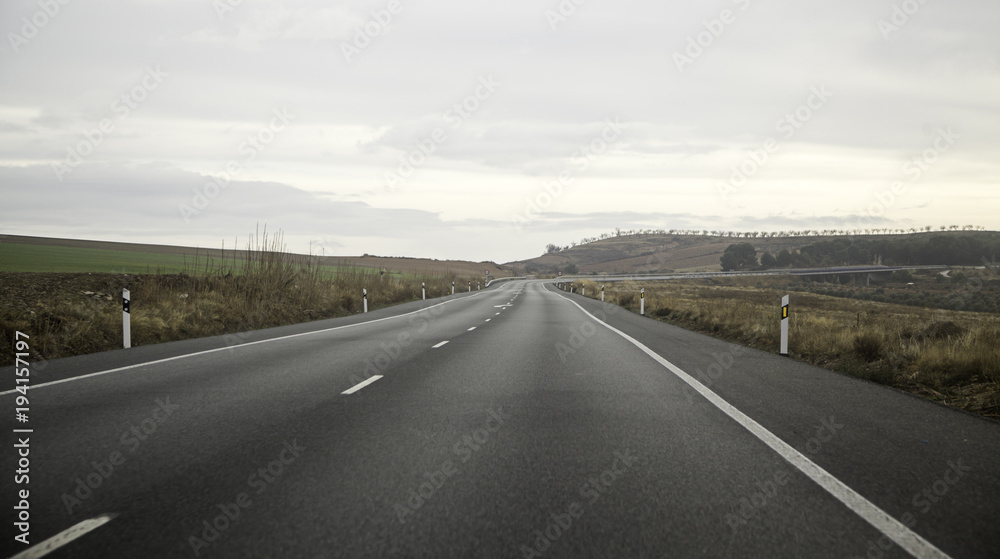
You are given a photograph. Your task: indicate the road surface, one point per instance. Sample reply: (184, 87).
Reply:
(517, 421)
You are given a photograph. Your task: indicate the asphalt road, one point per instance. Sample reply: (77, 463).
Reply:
(535, 431)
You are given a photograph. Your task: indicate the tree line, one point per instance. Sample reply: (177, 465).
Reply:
(948, 250)
(551, 248)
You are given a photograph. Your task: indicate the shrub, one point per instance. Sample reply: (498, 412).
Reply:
(868, 346)
(661, 312)
(943, 330)
(902, 276)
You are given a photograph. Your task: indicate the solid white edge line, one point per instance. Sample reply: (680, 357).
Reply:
(233, 347)
(64, 537)
(362, 384)
(907, 539)
(435, 346)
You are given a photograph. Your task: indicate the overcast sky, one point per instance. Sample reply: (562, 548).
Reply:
(485, 130)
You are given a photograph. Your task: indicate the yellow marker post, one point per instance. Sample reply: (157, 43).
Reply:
(784, 326)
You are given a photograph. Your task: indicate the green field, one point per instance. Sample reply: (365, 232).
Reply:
(42, 258)
(15, 257)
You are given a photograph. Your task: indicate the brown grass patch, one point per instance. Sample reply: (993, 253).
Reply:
(950, 356)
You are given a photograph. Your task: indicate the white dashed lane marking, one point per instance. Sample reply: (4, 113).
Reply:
(361, 384)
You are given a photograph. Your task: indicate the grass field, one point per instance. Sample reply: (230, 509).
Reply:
(40, 254)
(43, 258)
(946, 355)
(73, 313)
(36, 258)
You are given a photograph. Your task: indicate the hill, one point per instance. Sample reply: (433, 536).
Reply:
(657, 252)
(20, 253)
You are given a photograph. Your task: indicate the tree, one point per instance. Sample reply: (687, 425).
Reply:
(739, 257)
(768, 260)
(784, 258)
(571, 269)
(550, 248)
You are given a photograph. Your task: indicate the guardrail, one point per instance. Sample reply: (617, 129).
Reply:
(504, 279)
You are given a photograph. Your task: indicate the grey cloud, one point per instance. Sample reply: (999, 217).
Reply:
(608, 59)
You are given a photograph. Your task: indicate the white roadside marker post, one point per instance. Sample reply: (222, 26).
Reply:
(364, 295)
(423, 291)
(126, 322)
(642, 301)
(470, 287)
(784, 326)
(477, 286)
(602, 293)
(452, 288)
(583, 291)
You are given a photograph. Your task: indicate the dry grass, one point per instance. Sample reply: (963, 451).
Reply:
(950, 356)
(72, 314)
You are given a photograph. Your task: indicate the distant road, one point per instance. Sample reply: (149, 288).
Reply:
(516, 421)
(783, 272)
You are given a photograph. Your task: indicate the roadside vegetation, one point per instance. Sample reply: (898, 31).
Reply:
(77, 313)
(678, 250)
(946, 355)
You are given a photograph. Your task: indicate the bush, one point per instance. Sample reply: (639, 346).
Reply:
(942, 330)
(902, 276)
(868, 346)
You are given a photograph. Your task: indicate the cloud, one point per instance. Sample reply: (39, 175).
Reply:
(325, 175)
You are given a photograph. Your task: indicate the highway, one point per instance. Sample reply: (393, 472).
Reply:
(517, 421)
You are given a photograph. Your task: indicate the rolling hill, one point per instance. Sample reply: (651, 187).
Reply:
(653, 253)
